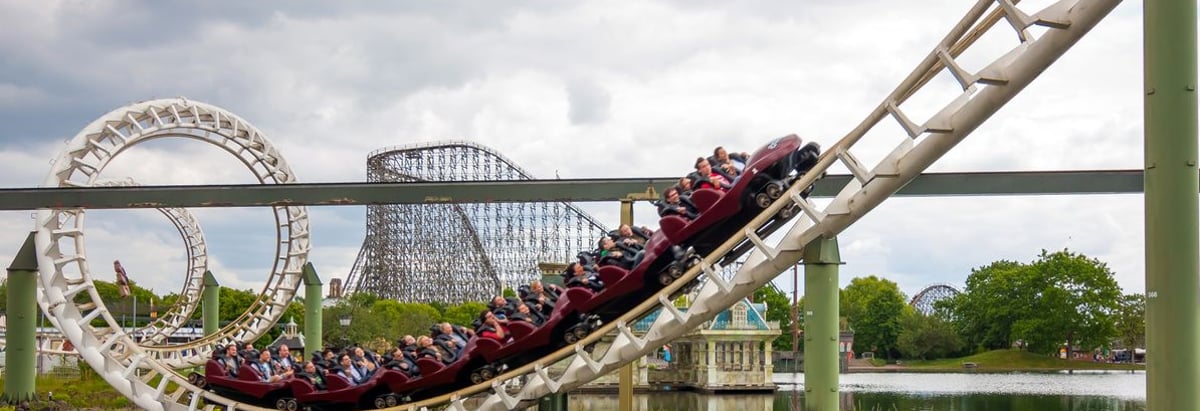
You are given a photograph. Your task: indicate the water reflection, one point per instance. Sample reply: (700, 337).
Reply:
(1104, 391)
(852, 401)
(1119, 384)
(674, 400)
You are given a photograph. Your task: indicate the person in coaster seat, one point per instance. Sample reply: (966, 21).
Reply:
(448, 348)
(349, 371)
(538, 305)
(672, 204)
(728, 164)
(266, 370)
(630, 238)
(360, 355)
(428, 349)
(313, 375)
(524, 313)
(685, 184)
(232, 360)
(400, 361)
(541, 298)
(502, 305)
(611, 254)
(491, 327)
(576, 276)
(707, 178)
(285, 362)
(459, 334)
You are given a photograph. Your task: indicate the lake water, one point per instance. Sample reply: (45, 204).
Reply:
(1079, 391)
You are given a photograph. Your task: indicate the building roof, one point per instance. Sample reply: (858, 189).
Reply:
(727, 320)
(754, 320)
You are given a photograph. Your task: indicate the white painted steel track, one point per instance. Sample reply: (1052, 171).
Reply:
(67, 294)
(177, 315)
(1039, 38)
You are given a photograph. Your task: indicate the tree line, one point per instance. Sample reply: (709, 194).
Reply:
(1059, 300)
(372, 321)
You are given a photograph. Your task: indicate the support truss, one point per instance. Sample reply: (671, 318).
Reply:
(451, 252)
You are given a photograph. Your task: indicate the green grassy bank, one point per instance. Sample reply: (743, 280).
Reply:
(1013, 360)
(87, 392)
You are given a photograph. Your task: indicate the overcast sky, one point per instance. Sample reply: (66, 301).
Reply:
(573, 89)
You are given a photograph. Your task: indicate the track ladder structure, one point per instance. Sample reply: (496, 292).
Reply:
(144, 374)
(176, 316)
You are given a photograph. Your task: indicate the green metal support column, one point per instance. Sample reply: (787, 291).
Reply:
(312, 309)
(821, 357)
(625, 377)
(20, 354)
(553, 402)
(1172, 223)
(210, 304)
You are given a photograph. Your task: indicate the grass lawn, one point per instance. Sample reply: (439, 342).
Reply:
(1015, 360)
(89, 392)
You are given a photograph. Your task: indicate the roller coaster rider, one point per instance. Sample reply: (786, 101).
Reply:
(707, 178)
(491, 327)
(728, 164)
(313, 375)
(232, 361)
(673, 203)
(576, 276)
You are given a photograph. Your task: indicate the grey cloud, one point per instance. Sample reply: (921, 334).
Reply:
(330, 82)
(589, 102)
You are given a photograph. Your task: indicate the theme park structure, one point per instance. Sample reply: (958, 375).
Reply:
(415, 252)
(148, 376)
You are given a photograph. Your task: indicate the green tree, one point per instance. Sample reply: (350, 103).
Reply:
(234, 303)
(778, 309)
(1062, 297)
(1131, 321)
(927, 337)
(463, 314)
(1075, 303)
(987, 308)
(874, 306)
(375, 323)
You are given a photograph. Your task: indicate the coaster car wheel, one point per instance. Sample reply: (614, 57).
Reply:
(476, 378)
(570, 337)
(675, 270)
(774, 189)
(664, 278)
(788, 212)
(762, 200)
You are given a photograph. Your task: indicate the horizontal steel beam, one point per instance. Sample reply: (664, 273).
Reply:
(254, 195)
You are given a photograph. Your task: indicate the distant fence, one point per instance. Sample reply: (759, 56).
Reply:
(64, 366)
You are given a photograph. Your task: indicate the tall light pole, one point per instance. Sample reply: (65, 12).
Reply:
(344, 320)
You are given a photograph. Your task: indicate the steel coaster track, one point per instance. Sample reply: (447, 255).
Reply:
(193, 284)
(983, 93)
(67, 293)
(178, 314)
